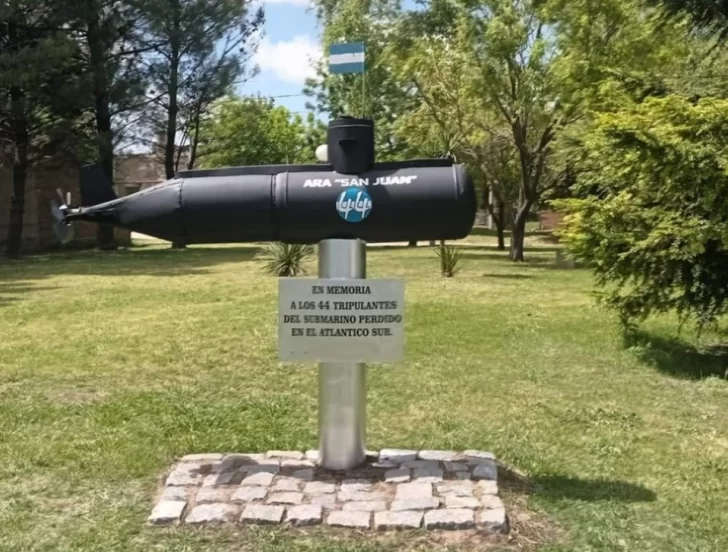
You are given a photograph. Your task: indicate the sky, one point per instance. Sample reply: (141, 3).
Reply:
(289, 45)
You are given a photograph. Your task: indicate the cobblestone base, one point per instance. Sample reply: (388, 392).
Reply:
(395, 489)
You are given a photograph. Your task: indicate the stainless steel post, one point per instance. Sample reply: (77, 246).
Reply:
(342, 386)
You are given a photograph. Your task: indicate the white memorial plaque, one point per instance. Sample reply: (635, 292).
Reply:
(336, 320)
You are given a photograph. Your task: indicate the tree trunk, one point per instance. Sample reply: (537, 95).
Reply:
(518, 232)
(20, 169)
(500, 225)
(412, 244)
(195, 143)
(105, 239)
(173, 105)
(498, 214)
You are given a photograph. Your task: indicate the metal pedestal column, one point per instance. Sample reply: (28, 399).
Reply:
(342, 386)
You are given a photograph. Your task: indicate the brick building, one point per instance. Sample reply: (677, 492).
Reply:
(136, 171)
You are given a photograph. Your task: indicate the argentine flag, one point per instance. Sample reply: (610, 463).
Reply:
(346, 58)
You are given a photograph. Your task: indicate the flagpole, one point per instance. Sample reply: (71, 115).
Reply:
(363, 93)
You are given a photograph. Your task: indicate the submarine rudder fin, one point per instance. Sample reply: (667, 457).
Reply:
(96, 188)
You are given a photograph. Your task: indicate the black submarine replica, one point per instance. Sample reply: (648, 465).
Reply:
(350, 197)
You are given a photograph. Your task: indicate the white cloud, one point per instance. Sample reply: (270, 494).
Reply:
(304, 3)
(289, 60)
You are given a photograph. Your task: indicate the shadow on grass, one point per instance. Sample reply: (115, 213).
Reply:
(678, 358)
(506, 276)
(135, 261)
(563, 487)
(540, 258)
(11, 292)
(487, 232)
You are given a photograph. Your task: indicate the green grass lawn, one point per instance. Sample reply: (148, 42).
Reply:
(113, 365)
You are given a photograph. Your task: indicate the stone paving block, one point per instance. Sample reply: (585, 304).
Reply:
(487, 487)
(357, 496)
(452, 501)
(356, 485)
(400, 455)
(303, 475)
(413, 490)
(211, 513)
(210, 480)
(440, 455)
(487, 470)
(365, 506)
(270, 466)
(175, 493)
(283, 484)
(202, 458)
(289, 454)
(249, 494)
(401, 475)
(211, 495)
(217, 479)
(456, 466)
(167, 511)
(415, 504)
(491, 502)
(361, 520)
(476, 456)
(235, 461)
(306, 514)
(198, 468)
(386, 464)
(325, 500)
(427, 475)
(431, 488)
(450, 519)
(297, 464)
(493, 520)
(417, 464)
(319, 487)
(285, 498)
(181, 478)
(261, 479)
(456, 488)
(262, 514)
(397, 520)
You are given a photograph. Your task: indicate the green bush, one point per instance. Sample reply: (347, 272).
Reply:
(450, 257)
(284, 259)
(650, 215)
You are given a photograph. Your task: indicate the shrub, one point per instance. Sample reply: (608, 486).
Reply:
(650, 215)
(450, 257)
(284, 259)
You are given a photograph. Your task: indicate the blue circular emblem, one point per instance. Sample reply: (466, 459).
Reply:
(354, 205)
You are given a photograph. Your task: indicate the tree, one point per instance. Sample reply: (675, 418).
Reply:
(254, 131)
(707, 15)
(651, 218)
(376, 94)
(531, 68)
(107, 31)
(448, 122)
(199, 48)
(34, 55)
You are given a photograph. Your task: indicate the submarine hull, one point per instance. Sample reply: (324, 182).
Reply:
(427, 200)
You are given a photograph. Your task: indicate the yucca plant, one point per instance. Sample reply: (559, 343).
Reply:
(450, 257)
(285, 259)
